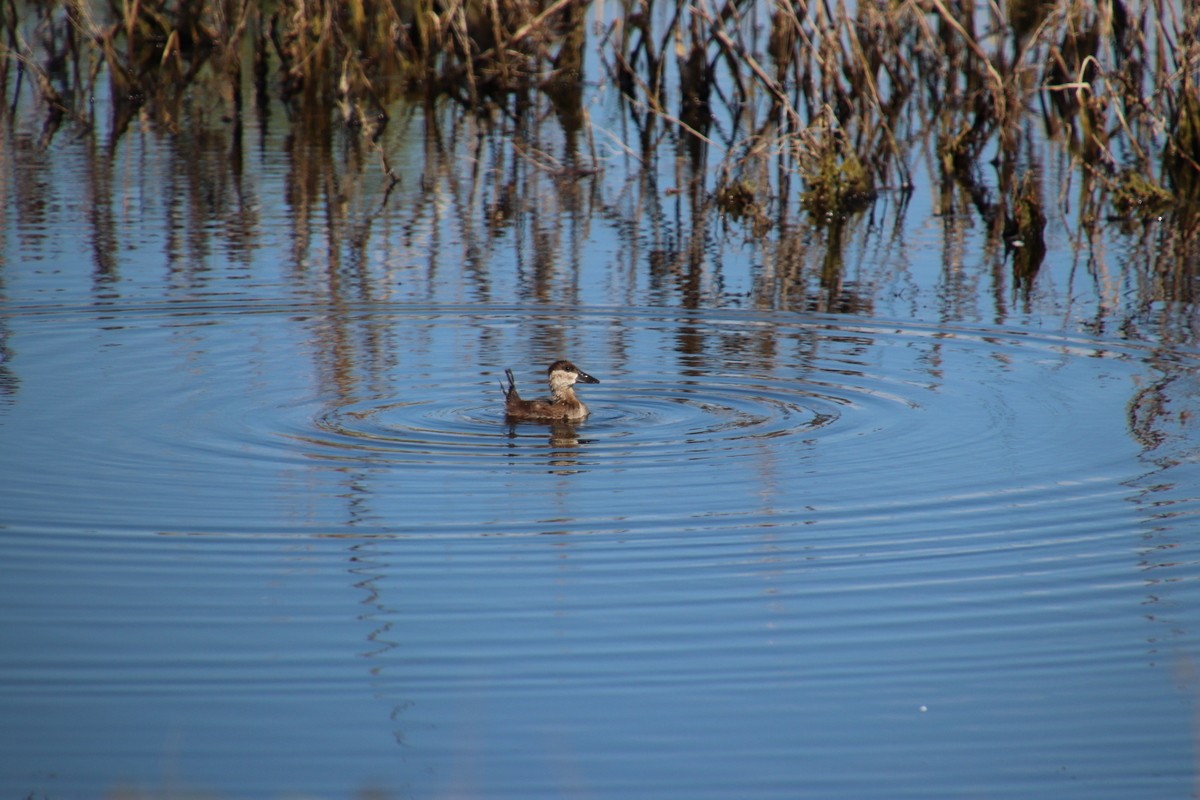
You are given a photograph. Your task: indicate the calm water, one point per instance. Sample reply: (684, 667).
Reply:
(908, 532)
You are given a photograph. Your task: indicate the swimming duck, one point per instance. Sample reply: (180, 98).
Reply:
(562, 403)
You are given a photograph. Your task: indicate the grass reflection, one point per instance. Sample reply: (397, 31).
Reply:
(782, 119)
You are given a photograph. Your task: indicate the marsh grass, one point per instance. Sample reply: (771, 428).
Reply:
(317, 56)
(827, 102)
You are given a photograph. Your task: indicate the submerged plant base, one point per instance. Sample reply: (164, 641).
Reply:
(838, 184)
(1137, 196)
(1026, 230)
(736, 198)
(739, 200)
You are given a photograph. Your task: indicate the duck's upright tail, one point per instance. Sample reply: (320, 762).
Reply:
(510, 391)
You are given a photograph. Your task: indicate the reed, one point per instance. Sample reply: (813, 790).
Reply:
(357, 57)
(1181, 157)
(844, 96)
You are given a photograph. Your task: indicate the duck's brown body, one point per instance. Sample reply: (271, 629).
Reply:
(562, 403)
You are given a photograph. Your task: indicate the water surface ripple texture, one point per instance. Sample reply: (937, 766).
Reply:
(786, 552)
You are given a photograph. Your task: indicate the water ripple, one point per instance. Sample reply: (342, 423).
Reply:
(755, 418)
(652, 421)
(241, 511)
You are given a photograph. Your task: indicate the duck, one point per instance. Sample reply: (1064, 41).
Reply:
(562, 403)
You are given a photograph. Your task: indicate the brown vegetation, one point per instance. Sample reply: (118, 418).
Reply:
(827, 102)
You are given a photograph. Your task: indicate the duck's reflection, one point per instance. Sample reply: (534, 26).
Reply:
(564, 445)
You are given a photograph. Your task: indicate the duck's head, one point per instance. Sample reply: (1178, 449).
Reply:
(564, 373)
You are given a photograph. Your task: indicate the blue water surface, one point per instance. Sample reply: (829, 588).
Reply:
(918, 529)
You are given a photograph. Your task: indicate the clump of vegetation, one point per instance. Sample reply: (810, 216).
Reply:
(740, 199)
(1026, 229)
(737, 198)
(836, 181)
(1136, 195)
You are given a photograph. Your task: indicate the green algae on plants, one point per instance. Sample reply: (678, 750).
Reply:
(837, 182)
(1136, 195)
